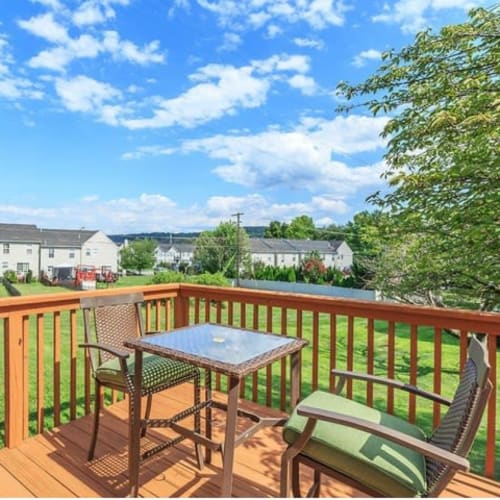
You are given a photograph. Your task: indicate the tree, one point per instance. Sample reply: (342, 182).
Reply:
(276, 229)
(301, 228)
(215, 251)
(442, 162)
(138, 254)
(312, 268)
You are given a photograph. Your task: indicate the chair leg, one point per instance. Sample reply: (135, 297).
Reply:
(97, 410)
(147, 414)
(296, 479)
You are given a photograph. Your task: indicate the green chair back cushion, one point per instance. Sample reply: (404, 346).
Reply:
(386, 467)
(156, 371)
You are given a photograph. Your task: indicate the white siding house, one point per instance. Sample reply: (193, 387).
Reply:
(286, 252)
(25, 247)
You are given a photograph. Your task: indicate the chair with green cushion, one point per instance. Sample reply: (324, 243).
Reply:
(111, 320)
(381, 454)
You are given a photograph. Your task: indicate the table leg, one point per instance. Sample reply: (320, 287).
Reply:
(208, 413)
(294, 380)
(134, 433)
(230, 437)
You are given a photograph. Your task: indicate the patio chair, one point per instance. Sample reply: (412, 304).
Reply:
(116, 319)
(381, 454)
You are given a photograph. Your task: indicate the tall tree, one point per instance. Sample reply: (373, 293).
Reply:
(138, 255)
(443, 169)
(216, 251)
(276, 229)
(301, 228)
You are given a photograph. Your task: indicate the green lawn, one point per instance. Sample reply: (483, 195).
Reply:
(449, 373)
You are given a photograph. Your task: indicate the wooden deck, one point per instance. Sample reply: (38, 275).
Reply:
(54, 464)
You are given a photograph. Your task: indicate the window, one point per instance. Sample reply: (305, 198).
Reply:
(51, 253)
(29, 250)
(22, 267)
(5, 265)
(71, 253)
(87, 252)
(6, 248)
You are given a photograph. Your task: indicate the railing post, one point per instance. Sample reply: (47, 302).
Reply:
(181, 310)
(15, 411)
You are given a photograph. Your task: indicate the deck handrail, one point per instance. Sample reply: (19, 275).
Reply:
(24, 320)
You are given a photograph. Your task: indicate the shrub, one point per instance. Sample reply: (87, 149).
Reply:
(209, 279)
(167, 277)
(10, 275)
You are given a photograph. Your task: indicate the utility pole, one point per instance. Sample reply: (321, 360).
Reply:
(238, 253)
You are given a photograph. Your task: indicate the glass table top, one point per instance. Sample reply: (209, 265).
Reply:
(218, 343)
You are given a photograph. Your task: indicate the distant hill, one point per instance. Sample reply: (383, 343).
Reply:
(252, 231)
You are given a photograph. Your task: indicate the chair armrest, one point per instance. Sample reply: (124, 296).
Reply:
(455, 461)
(343, 374)
(108, 348)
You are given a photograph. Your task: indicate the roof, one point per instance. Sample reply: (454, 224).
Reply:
(282, 245)
(179, 247)
(29, 233)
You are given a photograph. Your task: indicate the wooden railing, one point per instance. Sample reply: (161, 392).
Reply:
(47, 378)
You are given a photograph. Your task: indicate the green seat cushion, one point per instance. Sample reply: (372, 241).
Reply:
(384, 466)
(156, 371)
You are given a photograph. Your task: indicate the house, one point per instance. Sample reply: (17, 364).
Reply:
(281, 252)
(174, 253)
(25, 247)
(270, 251)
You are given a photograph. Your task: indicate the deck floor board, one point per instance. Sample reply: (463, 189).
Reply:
(54, 464)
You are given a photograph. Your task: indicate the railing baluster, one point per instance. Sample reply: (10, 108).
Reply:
(370, 361)
(255, 375)
(57, 367)
(491, 422)
(243, 324)
(40, 379)
(196, 310)
(350, 353)
(73, 375)
(333, 349)
(436, 413)
(269, 368)
(283, 391)
(315, 353)
(168, 314)
(300, 334)
(26, 350)
(390, 364)
(412, 401)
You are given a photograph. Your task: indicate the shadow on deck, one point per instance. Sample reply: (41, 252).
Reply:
(55, 464)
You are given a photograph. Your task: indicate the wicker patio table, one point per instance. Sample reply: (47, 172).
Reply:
(231, 351)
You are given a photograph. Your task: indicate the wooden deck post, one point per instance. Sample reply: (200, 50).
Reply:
(15, 400)
(181, 311)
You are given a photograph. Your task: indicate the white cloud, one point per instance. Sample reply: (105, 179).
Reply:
(305, 84)
(231, 42)
(92, 12)
(65, 48)
(145, 151)
(44, 26)
(221, 90)
(301, 157)
(85, 95)
(366, 55)
(255, 14)
(53, 4)
(308, 42)
(414, 15)
(12, 85)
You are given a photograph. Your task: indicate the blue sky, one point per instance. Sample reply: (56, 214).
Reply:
(157, 115)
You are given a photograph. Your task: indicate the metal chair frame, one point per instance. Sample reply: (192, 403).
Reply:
(108, 322)
(445, 450)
